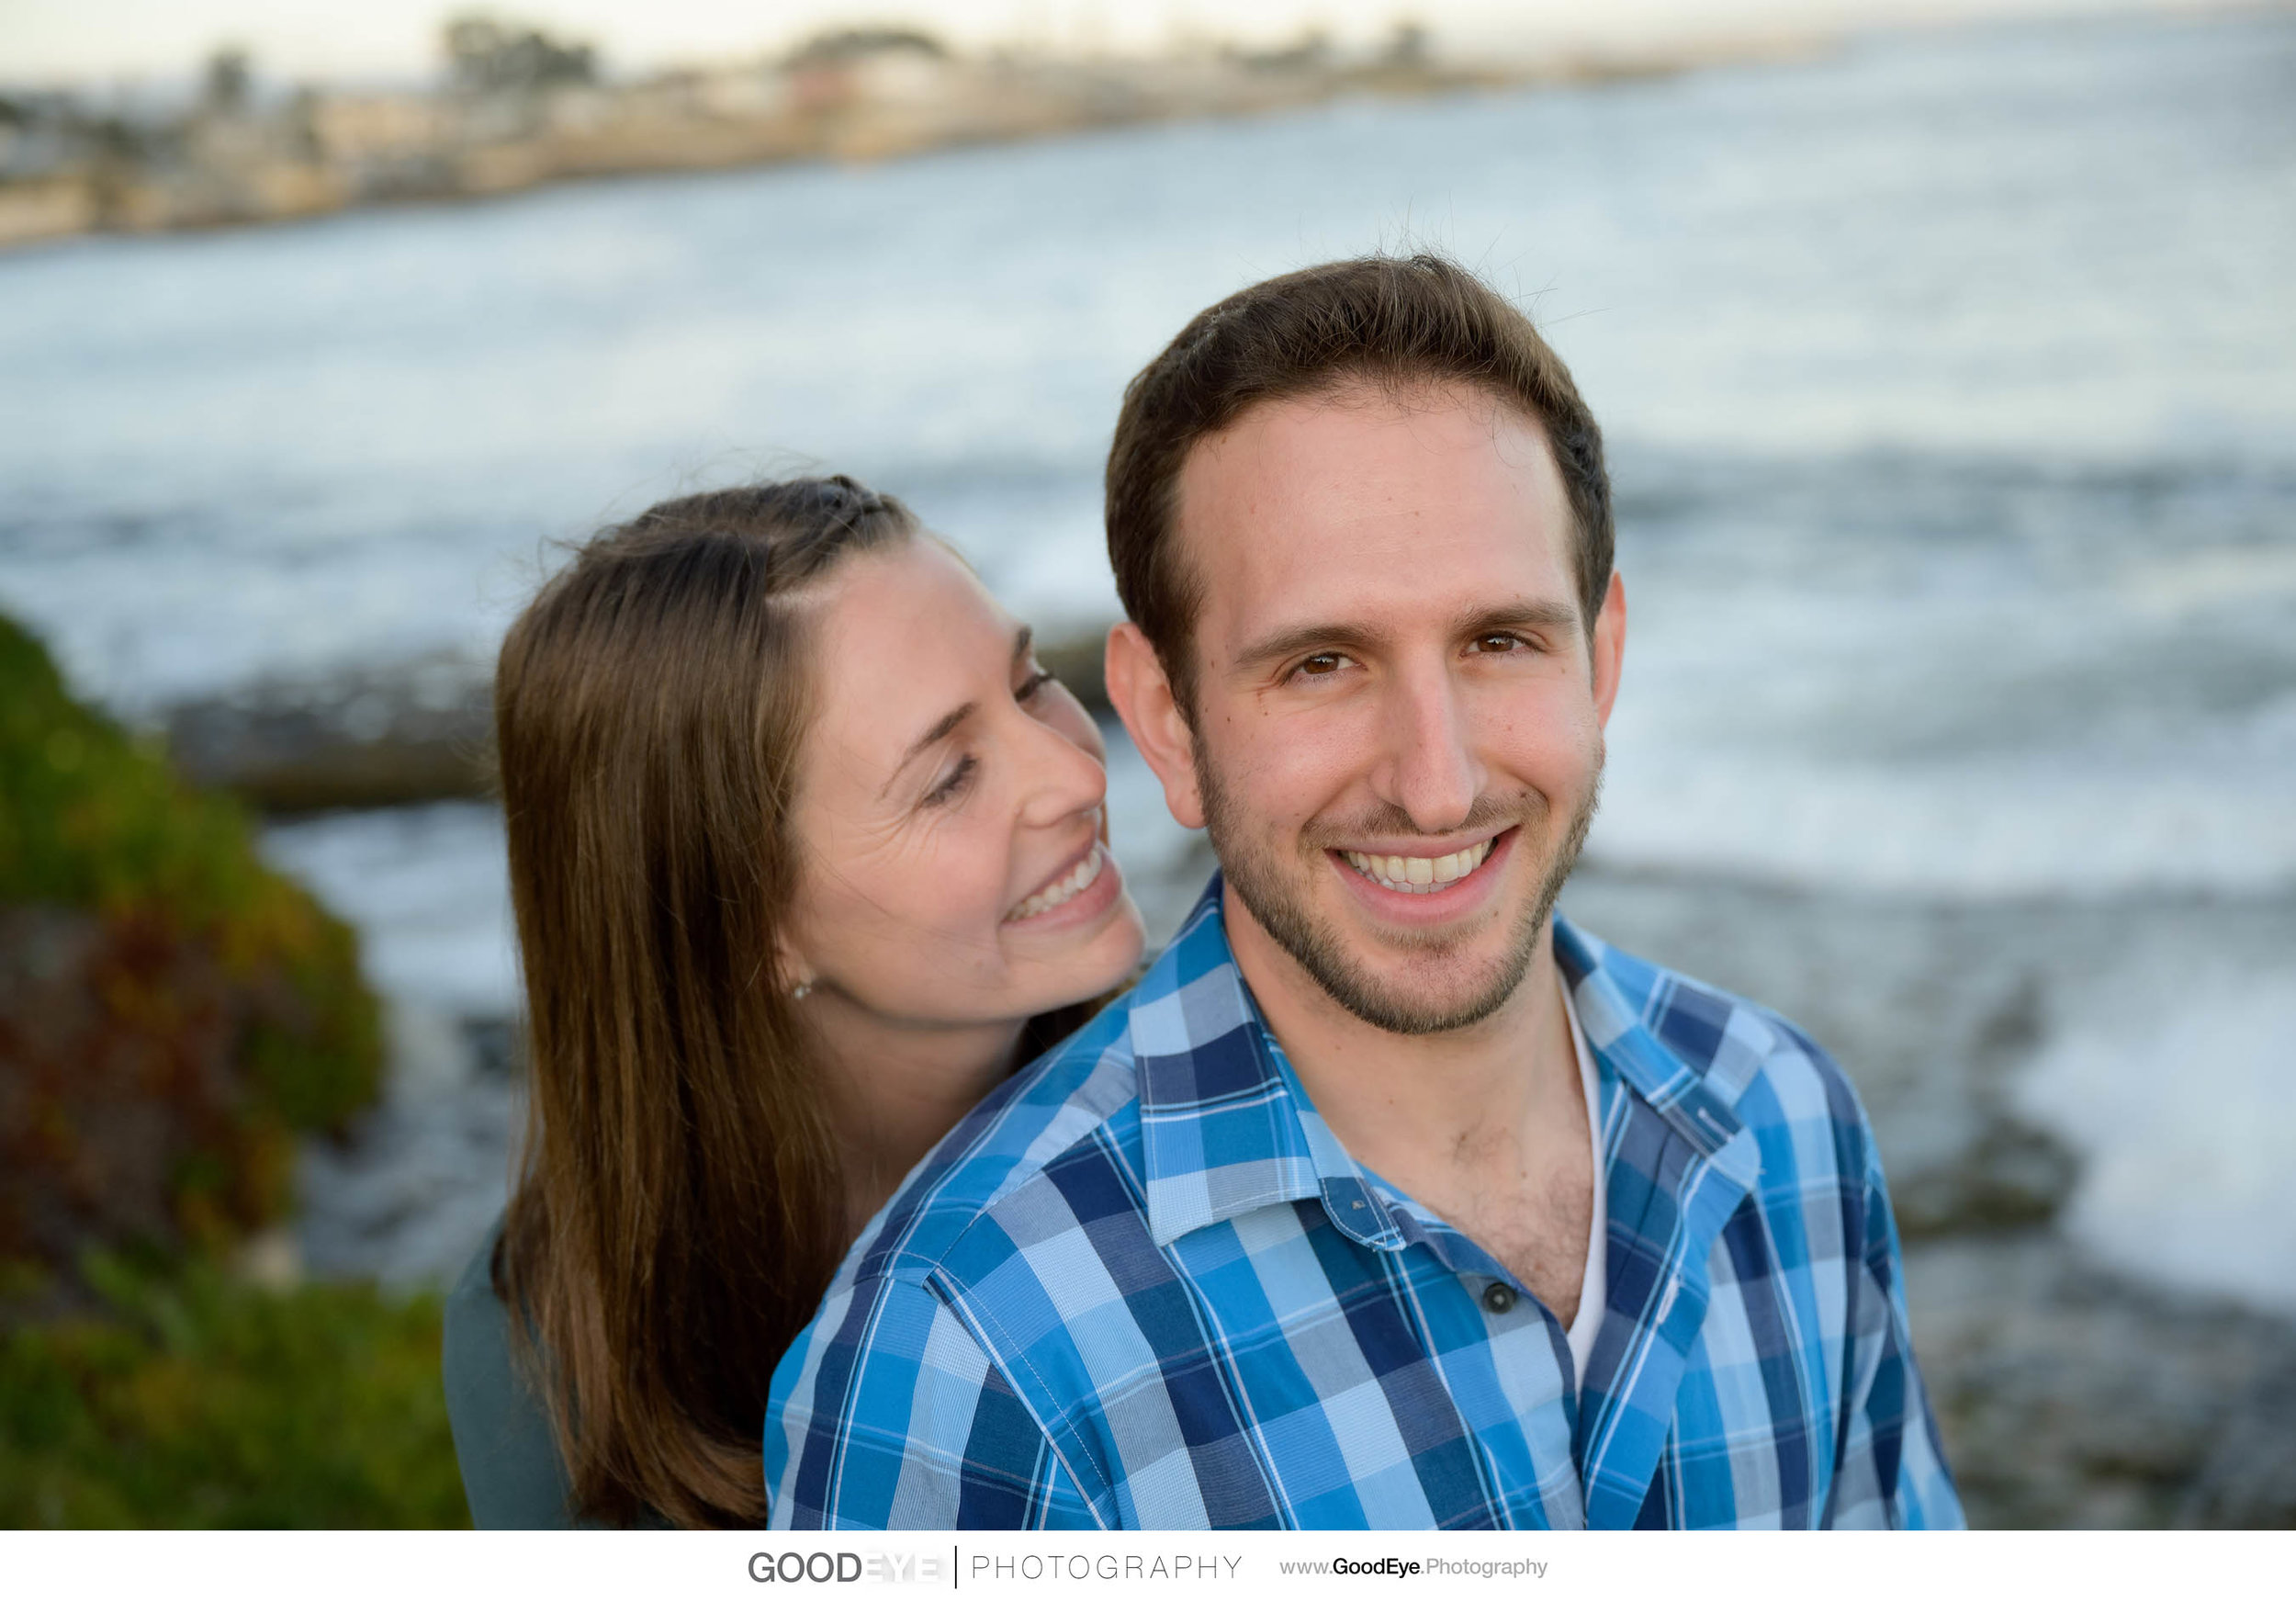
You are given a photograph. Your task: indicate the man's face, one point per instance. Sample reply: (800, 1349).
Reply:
(1397, 731)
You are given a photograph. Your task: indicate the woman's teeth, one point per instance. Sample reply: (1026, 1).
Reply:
(1052, 895)
(1418, 875)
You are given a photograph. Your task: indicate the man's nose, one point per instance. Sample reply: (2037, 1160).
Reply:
(1429, 767)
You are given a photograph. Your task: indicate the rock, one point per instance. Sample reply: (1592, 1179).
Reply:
(2003, 1173)
(1079, 661)
(271, 1258)
(2070, 1397)
(2249, 1481)
(383, 737)
(410, 1194)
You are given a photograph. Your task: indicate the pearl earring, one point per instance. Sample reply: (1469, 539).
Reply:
(799, 992)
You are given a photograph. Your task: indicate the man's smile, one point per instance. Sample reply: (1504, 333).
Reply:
(1418, 875)
(1424, 889)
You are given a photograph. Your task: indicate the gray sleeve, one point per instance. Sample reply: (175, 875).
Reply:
(511, 1473)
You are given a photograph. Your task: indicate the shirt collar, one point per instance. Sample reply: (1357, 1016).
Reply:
(1226, 1127)
(1687, 1050)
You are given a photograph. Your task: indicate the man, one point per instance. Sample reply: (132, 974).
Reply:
(1387, 1197)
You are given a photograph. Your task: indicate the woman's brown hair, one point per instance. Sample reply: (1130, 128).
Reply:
(679, 1209)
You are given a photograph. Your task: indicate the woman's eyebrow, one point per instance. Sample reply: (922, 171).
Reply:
(945, 726)
(949, 722)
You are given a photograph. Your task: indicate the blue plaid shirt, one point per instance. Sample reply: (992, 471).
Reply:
(1142, 1286)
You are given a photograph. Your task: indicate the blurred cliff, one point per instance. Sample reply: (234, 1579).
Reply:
(514, 107)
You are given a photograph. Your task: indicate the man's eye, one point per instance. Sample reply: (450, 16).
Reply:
(1496, 644)
(1321, 663)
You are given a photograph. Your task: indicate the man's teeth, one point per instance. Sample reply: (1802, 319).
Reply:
(1052, 895)
(1418, 875)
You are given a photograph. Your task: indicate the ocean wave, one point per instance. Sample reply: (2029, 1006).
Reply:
(1983, 830)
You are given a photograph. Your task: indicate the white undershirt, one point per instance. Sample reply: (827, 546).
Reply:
(1594, 1284)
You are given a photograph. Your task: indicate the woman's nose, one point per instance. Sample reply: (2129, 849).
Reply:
(1062, 777)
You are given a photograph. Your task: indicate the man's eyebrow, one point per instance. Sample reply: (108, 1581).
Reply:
(950, 721)
(1306, 636)
(1355, 636)
(1520, 615)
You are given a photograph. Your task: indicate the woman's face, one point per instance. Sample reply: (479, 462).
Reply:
(949, 811)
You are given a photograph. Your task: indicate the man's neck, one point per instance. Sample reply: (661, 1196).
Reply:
(1484, 1124)
(1430, 1097)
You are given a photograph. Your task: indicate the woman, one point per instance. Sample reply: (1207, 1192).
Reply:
(807, 853)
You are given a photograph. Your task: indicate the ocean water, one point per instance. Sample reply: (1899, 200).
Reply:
(1950, 378)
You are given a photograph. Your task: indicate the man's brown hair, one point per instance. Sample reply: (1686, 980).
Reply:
(1391, 321)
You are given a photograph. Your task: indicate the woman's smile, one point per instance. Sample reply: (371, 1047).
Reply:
(1081, 891)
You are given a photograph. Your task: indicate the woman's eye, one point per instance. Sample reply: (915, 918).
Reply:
(950, 787)
(1032, 684)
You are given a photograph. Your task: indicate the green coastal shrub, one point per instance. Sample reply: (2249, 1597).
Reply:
(173, 1013)
(200, 1402)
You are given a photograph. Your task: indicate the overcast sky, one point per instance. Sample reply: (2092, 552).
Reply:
(48, 40)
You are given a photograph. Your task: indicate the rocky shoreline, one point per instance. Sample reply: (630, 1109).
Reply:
(393, 736)
(2072, 1397)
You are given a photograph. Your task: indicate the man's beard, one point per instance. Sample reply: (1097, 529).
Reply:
(1281, 904)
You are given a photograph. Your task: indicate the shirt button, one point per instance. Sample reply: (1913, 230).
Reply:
(1499, 1298)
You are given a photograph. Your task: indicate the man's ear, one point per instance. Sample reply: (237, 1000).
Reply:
(1142, 697)
(1610, 647)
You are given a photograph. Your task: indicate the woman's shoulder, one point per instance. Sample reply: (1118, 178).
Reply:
(511, 1473)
